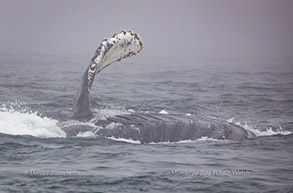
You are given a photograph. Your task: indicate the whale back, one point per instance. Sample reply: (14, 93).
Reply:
(148, 127)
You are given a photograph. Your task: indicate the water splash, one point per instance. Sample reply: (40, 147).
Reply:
(14, 122)
(267, 132)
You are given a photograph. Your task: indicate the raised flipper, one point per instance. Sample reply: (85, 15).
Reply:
(116, 48)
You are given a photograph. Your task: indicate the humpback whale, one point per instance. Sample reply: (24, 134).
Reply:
(144, 127)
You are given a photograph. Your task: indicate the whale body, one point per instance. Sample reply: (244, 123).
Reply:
(144, 127)
(149, 127)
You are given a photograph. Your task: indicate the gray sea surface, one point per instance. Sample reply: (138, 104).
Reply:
(36, 156)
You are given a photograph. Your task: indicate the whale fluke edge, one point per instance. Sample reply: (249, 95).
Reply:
(144, 127)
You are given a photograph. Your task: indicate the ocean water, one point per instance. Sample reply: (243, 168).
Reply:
(36, 155)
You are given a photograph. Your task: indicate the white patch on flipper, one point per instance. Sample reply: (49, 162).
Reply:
(122, 45)
(98, 59)
(91, 73)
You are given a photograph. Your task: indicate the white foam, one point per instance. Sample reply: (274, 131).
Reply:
(168, 142)
(131, 110)
(230, 120)
(267, 132)
(28, 123)
(125, 140)
(164, 112)
(204, 138)
(87, 134)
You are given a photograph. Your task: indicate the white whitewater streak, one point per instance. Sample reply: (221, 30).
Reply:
(204, 138)
(25, 123)
(87, 134)
(125, 140)
(268, 132)
(131, 110)
(168, 142)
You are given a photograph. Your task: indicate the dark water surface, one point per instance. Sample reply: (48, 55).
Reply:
(35, 155)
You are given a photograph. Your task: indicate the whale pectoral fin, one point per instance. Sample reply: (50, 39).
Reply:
(116, 48)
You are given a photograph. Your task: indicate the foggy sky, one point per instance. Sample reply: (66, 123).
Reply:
(181, 28)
